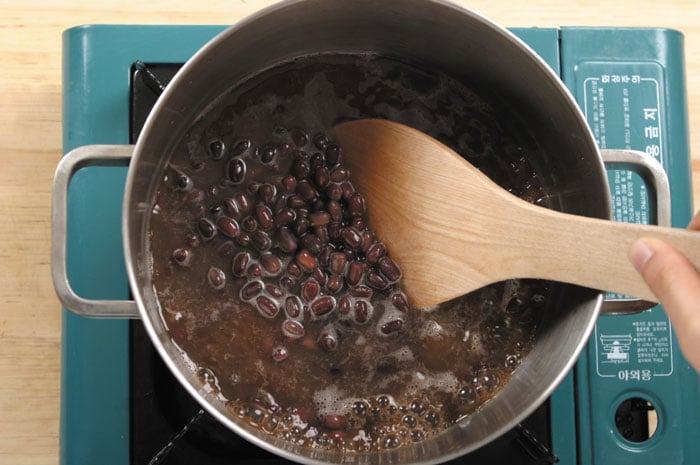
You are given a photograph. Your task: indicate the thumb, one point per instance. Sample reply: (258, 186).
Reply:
(676, 282)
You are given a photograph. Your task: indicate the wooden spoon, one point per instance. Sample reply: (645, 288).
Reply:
(452, 230)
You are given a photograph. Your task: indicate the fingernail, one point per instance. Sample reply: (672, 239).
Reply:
(640, 253)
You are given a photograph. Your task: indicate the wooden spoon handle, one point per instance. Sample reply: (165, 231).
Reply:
(595, 252)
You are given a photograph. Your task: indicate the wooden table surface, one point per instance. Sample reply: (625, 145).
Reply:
(30, 147)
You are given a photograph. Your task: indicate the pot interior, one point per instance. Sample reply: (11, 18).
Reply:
(456, 42)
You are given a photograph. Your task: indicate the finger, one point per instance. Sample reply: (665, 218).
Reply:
(676, 282)
(695, 222)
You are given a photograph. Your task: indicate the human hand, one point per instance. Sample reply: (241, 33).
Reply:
(676, 282)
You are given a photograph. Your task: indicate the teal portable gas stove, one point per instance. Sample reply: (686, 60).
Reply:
(631, 399)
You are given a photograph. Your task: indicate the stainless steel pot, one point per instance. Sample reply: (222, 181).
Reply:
(454, 40)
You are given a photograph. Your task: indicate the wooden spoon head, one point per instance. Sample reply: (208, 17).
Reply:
(419, 195)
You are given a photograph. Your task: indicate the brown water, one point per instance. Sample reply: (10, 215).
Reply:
(271, 309)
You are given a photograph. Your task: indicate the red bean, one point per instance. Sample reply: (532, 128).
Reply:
(299, 137)
(267, 193)
(391, 327)
(206, 229)
(333, 154)
(216, 278)
(182, 256)
(310, 289)
(274, 291)
(324, 258)
(240, 264)
(261, 241)
(389, 269)
(339, 174)
(249, 223)
(377, 281)
(361, 310)
(233, 208)
(266, 306)
(264, 216)
(293, 329)
(344, 305)
(286, 240)
(348, 189)
(356, 205)
(306, 260)
(279, 353)
(294, 269)
(334, 210)
(368, 239)
(321, 177)
(243, 202)
(254, 270)
(307, 191)
(216, 149)
(351, 237)
(267, 154)
(323, 305)
(320, 141)
(400, 301)
(293, 306)
(284, 217)
(290, 183)
(319, 218)
(270, 263)
(228, 226)
(322, 233)
(287, 283)
(375, 252)
(312, 243)
(320, 276)
(362, 291)
(338, 260)
(328, 340)
(251, 290)
(243, 239)
(355, 273)
(295, 201)
(240, 147)
(334, 229)
(334, 284)
(301, 225)
(334, 191)
(236, 170)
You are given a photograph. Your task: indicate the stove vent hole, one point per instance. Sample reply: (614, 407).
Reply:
(636, 419)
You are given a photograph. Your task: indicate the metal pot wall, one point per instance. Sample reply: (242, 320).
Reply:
(439, 35)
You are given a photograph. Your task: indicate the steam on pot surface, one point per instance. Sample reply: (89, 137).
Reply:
(271, 280)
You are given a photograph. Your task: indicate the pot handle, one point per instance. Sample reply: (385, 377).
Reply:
(88, 155)
(656, 180)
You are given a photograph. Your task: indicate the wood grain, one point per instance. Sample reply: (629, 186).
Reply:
(30, 147)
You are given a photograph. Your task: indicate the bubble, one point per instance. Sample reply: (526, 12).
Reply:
(432, 418)
(512, 361)
(391, 441)
(467, 395)
(360, 408)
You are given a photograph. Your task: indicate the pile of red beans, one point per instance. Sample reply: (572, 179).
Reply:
(297, 235)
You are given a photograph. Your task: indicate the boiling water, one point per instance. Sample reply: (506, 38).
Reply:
(304, 346)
